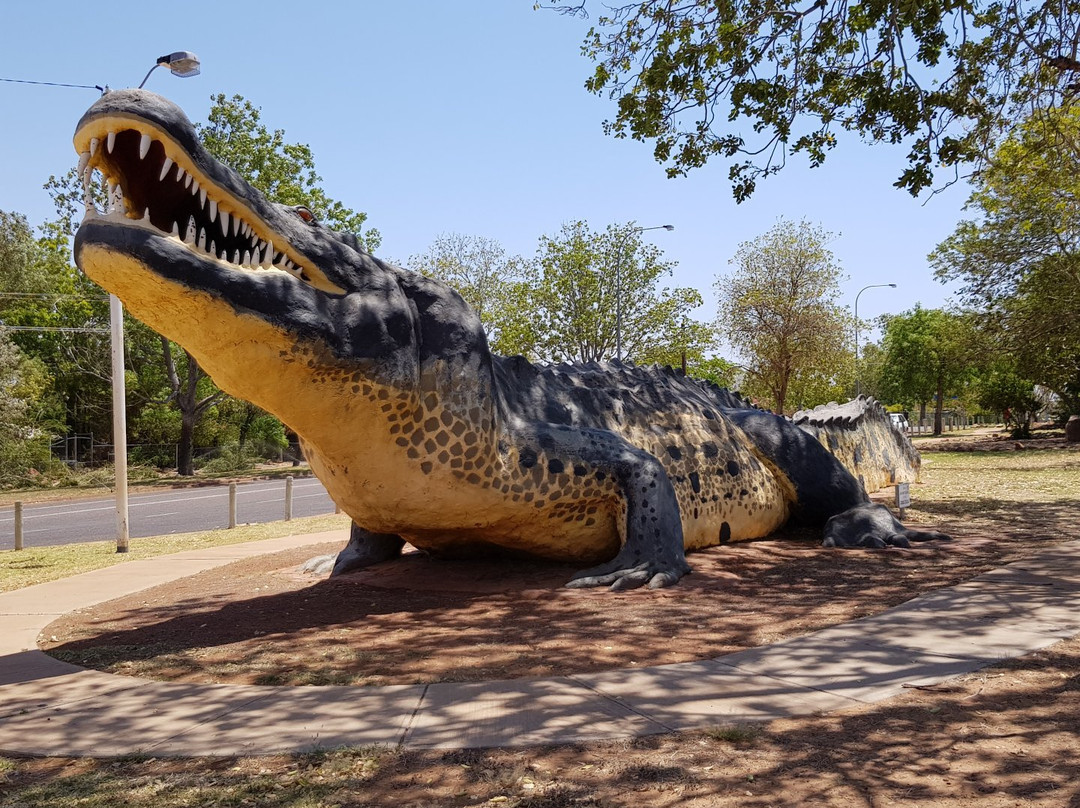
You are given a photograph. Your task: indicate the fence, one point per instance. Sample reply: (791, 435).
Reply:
(287, 506)
(82, 451)
(951, 423)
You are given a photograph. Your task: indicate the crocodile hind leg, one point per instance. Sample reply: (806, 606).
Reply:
(652, 551)
(363, 549)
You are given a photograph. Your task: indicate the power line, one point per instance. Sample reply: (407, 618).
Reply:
(57, 84)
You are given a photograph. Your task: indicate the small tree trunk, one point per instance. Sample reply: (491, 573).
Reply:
(939, 406)
(185, 461)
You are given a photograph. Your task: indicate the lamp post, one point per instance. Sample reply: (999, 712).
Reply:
(858, 387)
(183, 64)
(618, 285)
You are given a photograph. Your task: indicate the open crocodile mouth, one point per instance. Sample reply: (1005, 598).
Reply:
(150, 182)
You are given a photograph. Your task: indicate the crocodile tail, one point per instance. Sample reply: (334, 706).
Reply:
(861, 436)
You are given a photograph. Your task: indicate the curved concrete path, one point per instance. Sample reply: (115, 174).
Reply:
(48, 707)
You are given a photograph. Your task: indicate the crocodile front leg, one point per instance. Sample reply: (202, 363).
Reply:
(652, 551)
(363, 549)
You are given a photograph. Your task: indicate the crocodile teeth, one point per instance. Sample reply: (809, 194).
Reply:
(240, 244)
(116, 198)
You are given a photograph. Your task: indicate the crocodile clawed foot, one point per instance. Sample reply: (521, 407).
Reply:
(617, 578)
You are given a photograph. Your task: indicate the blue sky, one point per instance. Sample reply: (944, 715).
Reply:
(437, 117)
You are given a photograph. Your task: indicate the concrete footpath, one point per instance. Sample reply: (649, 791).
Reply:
(49, 707)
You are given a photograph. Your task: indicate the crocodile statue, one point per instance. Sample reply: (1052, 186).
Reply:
(417, 431)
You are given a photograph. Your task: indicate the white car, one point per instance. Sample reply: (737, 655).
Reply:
(899, 420)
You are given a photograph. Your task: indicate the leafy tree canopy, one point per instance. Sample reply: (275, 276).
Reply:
(597, 296)
(750, 81)
(778, 309)
(1019, 259)
(489, 280)
(283, 171)
(928, 356)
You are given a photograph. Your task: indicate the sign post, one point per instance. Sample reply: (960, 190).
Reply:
(903, 497)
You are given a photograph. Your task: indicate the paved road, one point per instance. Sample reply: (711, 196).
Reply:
(162, 512)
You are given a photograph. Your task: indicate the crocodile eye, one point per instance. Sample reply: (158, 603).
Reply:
(306, 214)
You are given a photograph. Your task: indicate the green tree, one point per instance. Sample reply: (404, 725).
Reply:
(24, 445)
(928, 356)
(56, 314)
(1019, 259)
(717, 370)
(489, 280)
(284, 172)
(778, 309)
(751, 81)
(597, 297)
(871, 366)
(1002, 389)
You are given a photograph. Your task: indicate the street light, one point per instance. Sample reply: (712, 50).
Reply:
(858, 387)
(183, 64)
(618, 285)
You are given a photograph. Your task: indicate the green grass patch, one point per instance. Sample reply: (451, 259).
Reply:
(35, 565)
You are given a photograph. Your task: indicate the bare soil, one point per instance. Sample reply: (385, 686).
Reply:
(1008, 735)
(418, 619)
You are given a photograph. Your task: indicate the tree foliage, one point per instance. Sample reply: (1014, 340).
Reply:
(750, 81)
(23, 386)
(1019, 259)
(284, 172)
(489, 280)
(597, 295)
(778, 309)
(928, 356)
(1000, 388)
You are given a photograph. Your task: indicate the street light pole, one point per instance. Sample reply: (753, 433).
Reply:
(858, 387)
(119, 399)
(183, 64)
(618, 284)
